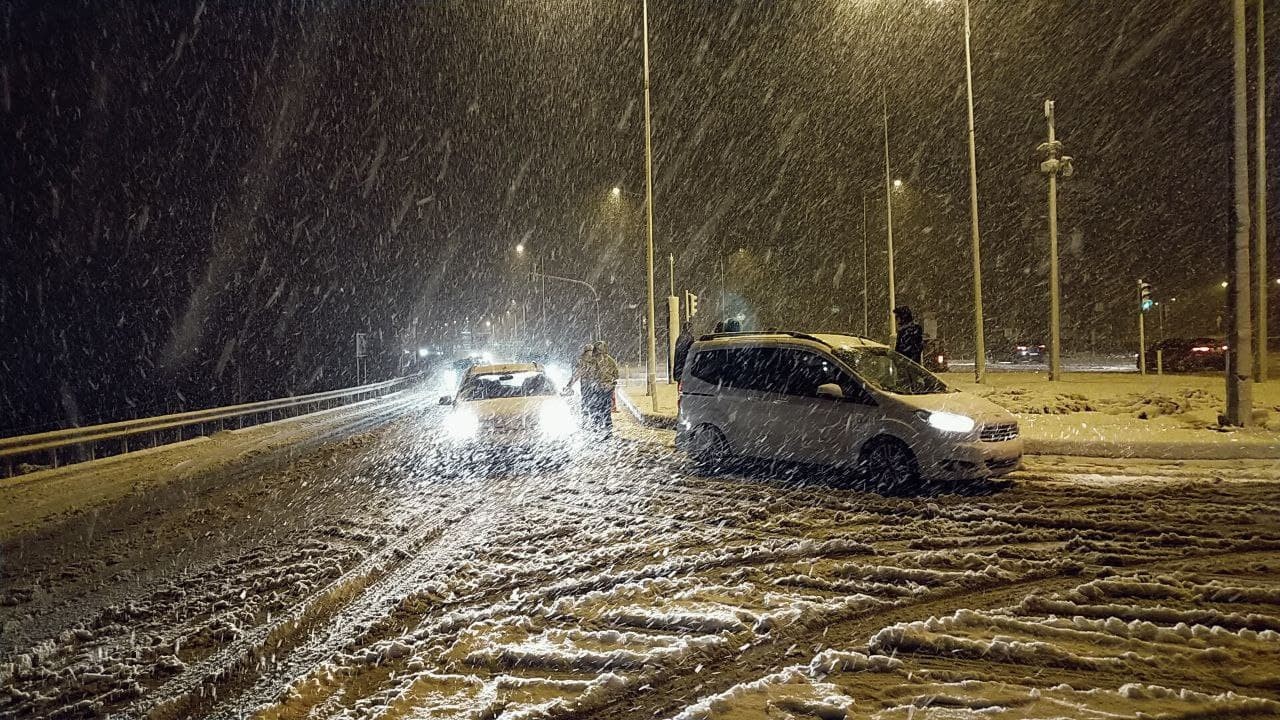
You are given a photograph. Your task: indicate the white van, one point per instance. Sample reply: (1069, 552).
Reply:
(837, 400)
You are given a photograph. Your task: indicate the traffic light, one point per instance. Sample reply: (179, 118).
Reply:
(1144, 293)
(691, 303)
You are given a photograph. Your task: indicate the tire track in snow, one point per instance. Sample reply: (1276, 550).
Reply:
(195, 689)
(670, 690)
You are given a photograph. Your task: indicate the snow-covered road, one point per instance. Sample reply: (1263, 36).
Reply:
(372, 579)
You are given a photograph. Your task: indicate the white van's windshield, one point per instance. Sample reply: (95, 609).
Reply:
(889, 371)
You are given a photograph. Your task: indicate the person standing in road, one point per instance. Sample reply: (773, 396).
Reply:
(584, 373)
(581, 367)
(605, 370)
(683, 342)
(910, 334)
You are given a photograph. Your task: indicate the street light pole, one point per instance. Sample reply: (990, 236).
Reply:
(651, 379)
(888, 203)
(1240, 341)
(1260, 242)
(595, 295)
(1055, 163)
(866, 323)
(980, 345)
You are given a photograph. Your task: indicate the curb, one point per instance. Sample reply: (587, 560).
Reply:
(1151, 451)
(648, 419)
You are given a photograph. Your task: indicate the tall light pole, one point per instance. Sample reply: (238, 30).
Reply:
(1260, 242)
(866, 323)
(979, 341)
(595, 295)
(1240, 341)
(651, 378)
(888, 204)
(1055, 163)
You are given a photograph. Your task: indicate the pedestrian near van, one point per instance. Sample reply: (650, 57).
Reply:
(605, 375)
(683, 342)
(910, 334)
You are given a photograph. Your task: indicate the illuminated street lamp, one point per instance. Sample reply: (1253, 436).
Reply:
(519, 248)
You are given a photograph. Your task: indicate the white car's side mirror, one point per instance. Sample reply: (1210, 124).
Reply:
(830, 390)
(446, 400)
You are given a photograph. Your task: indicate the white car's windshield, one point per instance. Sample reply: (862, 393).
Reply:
(506, 385)
(890, 371)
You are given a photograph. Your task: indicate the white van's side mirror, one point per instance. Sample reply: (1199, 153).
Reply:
(830, 390)
(446, 400)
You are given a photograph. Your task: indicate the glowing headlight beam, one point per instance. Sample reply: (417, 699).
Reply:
(950, 422)
(461, 424)
(555, 420)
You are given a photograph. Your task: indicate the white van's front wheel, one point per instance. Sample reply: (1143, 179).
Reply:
(888, 464)
(709, 449)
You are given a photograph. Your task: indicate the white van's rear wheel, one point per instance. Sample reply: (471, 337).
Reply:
(888, 464)
(709, 449)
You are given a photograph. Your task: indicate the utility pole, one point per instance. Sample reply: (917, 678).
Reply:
(979, 341)
(651, 379)
(1055, 163)
(1144, 302)
(888, 204)
(866, 324)
(1240, 340)
(673, 320)
(1260, 242)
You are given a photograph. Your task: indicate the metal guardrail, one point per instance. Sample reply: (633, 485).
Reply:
(95, 440)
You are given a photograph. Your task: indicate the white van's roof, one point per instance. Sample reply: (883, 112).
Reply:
(831, 340)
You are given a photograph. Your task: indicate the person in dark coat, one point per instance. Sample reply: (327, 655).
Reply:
(719, 327)
(683, 343)
(605, 377)
(910, 334)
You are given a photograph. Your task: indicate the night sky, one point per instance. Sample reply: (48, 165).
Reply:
(203, 201)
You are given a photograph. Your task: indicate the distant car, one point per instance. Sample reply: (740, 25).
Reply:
(1188, 355)
(1024, 352)
(509, 409)
(934, 358)
(837, 400)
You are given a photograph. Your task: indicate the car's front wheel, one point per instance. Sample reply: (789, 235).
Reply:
(709, 449)
(888, 465)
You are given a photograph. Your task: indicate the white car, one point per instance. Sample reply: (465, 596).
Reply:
(837, 400)
(507, 409)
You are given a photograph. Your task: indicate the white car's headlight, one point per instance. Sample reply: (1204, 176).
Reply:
(949, 422)
(447, 379)
(461, 424)
(558, 374)
(555, 420)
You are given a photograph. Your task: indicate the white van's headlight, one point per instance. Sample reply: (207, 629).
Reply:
(555, 420)
(461, 424)
(948, 422)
